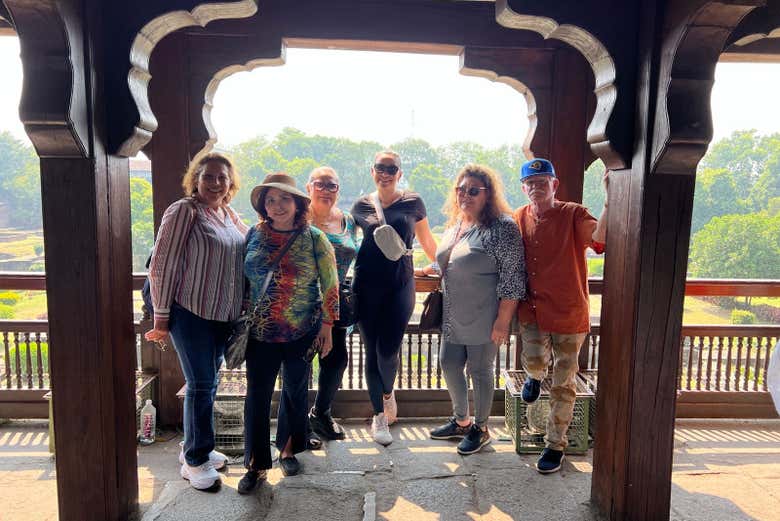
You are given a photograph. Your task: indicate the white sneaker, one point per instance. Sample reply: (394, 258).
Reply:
(380, 430)
(201, 477)
(391, 408)
(216, 458)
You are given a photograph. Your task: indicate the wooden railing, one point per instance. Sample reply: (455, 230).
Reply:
(713, 358)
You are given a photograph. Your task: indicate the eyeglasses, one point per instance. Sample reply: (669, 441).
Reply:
(379, 168)
(472, 191)
(322, 186)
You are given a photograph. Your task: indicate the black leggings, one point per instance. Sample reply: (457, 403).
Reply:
(332, 370)
(383, 315)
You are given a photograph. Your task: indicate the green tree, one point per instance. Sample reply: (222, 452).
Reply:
(434, 187)
(592, 187)
(141, 221)
(715, 195)
(20, 182)
(737, 246)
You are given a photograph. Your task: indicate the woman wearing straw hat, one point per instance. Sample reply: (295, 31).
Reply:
(294, 312)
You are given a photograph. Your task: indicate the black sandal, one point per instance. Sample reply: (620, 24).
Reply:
(313, 442)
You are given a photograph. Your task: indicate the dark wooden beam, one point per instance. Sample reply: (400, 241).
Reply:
(170, 102)
(86, 222)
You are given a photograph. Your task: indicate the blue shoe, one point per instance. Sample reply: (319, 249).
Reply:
(474, 440)
(550, 461)
(531, 390)
(449, 430)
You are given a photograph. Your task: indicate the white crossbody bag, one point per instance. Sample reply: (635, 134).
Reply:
(385, 236)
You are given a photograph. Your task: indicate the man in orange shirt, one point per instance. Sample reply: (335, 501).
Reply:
(555, 318)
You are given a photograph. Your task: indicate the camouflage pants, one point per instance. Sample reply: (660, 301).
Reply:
(538, 346)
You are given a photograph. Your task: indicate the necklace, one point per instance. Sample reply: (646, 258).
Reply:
(332, 221)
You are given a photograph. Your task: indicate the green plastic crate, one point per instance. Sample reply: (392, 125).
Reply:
(527, 430)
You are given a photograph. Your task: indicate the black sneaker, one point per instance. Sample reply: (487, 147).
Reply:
(313, 442)
(324, 425)
(531, 390)
(248, 483)
(474, 440)
(550, 461)
(449, 431)
(290, 465)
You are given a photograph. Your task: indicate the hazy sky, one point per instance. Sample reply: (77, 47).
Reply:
(387, 97)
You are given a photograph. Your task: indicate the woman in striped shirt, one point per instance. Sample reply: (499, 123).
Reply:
(197, 282)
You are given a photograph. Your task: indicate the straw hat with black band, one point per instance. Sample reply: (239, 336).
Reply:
(281, 181)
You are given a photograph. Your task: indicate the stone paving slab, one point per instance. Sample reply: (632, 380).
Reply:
(722, 471)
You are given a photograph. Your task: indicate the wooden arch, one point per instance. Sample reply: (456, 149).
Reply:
(683, 121)
(600, 60)
(141, 51)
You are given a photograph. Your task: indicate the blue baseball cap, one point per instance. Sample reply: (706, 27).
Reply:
(536, 166)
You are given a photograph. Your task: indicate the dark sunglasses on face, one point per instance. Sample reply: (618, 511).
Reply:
(379, 168)
(472, 191)
(321, 186)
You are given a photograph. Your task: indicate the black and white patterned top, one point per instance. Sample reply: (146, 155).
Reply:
(486, 264)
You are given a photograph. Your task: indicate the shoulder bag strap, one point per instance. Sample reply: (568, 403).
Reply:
(277, 260)
(378, 208)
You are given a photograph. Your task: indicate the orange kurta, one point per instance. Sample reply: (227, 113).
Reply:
(557, 270)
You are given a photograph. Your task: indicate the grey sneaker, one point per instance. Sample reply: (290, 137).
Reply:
(474, 440)
(449, 430)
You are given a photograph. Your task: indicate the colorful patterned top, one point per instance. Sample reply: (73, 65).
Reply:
(303, 292)
(197, 262)
(345, 244)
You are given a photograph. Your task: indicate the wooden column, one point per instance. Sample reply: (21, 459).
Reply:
(644, 281)
(86, 225)
(572, 89)
(558, 87)
(170, 158)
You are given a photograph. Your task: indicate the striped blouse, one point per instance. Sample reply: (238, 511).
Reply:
(198, 262)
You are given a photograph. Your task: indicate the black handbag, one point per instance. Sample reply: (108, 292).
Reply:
(347, 305)
(433, 312)
(235, 352)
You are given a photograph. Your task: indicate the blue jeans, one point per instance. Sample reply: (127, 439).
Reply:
(200, 344)
(263, 361)
(332, 370)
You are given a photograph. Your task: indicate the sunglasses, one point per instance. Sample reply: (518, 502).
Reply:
(321, 186)
(472, 191)
(379, 168)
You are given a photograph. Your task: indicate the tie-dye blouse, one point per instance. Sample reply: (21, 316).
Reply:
(303, 292)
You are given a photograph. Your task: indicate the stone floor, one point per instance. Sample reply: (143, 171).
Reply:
(723, 470)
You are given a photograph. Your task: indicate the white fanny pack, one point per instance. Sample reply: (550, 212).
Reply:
(385, 236)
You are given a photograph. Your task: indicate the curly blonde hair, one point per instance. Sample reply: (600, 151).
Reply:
(496, 204)
(190, 181)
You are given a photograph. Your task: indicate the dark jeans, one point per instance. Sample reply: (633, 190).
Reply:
(200, 344)
(332, 370)
(383, 315)
(263, 361)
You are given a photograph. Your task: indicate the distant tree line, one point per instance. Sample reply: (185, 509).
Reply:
(736, 218)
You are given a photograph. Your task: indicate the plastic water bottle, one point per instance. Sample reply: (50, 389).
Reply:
(148, 424)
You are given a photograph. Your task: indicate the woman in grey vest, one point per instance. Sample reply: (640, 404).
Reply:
(483, 277)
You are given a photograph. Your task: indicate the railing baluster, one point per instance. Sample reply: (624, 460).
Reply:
(430, 363)
(680, 367)
(768, 355)
(593, 343)
(7, 351)
(28, 353)
(350, 363)
(707, 383)
(409, 366)
(39, 360)
(747, 363)
(419, 360)
(728, 363)
(18, 359)
(361, 359)
(690, 362)
(699, 363)
(438, 361)
(757, 367)
(738, 368)
(719, 366)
